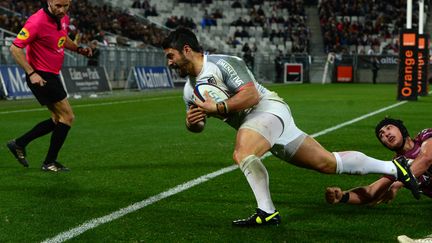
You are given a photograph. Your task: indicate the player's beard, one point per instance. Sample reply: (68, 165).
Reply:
(182, 67)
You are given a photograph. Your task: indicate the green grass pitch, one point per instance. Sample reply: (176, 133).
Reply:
(128, 147)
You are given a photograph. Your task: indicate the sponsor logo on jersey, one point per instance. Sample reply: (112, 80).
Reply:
(23, 34)
(210, 80)
(61, 42)
(230, 70)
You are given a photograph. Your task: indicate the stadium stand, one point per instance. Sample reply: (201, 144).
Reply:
(358, 26)
(260, 31)
(110, 26)
(269, 25)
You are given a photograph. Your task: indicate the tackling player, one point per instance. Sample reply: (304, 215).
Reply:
(264, 123)
(45, 36)
(393, 135)
(406, 239)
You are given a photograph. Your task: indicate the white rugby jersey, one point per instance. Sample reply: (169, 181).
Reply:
(229, 73)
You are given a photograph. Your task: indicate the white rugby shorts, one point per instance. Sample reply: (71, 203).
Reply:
(273, 120)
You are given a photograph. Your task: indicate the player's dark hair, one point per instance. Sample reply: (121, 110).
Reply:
(180, 37)
(397, 123)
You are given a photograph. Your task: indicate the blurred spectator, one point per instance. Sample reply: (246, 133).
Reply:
(74, 34)
(146, 4)
(100, 37)
(244, 33)
(392, 48)
(375, 68)
(150, 11)
(254, 48)
(217, 14)
(121, 41)
(173, 22)
(136, 4)
(246, 48)
(279, 67)
(362, 22)
(236, 4)
(90, 17)
(93, 61)
(249, 59)
(280, 28)
(241, 33)
(233, 42)
(207, 20)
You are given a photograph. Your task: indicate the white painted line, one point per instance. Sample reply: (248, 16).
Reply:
(357, 119)
(361, 118)
(185, 186)
(94, 104)
(136, 206)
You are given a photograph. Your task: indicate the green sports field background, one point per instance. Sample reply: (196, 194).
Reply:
(129, 146)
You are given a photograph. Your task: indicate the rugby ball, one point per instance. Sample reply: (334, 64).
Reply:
(216, 93)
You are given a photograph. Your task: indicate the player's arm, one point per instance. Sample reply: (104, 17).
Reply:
(20, 58)
(370, 194)
(71, 45)
(246, 97)
(424, 160)
(390, 194)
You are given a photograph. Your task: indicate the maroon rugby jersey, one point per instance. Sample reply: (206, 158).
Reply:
(425, 180)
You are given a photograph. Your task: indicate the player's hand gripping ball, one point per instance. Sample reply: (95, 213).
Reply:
(216, 93)
(216, 96)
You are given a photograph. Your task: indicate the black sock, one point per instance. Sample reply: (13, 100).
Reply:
(57, 139)
(39, 130)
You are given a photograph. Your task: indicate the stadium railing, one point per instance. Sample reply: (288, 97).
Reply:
(118, 62)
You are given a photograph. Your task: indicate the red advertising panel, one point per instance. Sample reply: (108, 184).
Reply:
(344, 74)
(293, 73)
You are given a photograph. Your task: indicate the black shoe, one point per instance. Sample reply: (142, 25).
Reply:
(54, 167)
(259, 218)
(406, 177)
(18, 152)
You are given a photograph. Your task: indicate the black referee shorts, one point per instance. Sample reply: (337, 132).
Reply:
(53, 90)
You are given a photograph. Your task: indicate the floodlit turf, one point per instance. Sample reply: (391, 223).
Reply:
(128, 147)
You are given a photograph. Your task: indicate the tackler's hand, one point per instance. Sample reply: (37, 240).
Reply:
(333, 195)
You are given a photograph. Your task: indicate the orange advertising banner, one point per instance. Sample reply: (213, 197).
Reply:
(423, 59)
(408, 66)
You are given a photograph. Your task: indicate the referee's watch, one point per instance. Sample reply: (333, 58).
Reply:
(30, 74)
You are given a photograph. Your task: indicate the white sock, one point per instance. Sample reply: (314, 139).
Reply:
(257, 176)
(353, 162)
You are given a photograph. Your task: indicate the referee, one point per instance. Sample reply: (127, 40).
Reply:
(45, 36)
